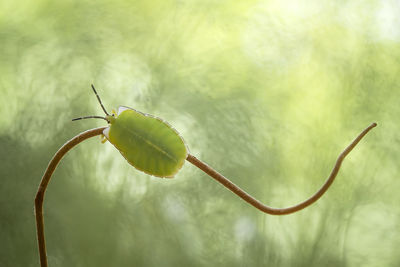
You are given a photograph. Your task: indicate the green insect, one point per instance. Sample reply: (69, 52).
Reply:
(147, 142)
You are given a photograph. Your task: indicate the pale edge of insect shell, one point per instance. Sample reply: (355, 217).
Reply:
(106, 132)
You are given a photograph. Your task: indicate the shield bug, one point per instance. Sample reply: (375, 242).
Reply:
(147, 142)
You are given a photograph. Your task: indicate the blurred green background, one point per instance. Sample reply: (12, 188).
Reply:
(267, 92)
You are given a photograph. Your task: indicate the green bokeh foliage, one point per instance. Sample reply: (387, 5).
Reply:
(267, 92)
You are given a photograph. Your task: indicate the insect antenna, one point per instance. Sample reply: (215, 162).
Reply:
(90, 117)
(98, 98)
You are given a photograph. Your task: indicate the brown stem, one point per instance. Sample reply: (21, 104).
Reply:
(45, 181)
(277, 211)
(204, 167)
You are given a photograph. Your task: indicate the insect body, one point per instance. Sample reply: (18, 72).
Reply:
(148, 143)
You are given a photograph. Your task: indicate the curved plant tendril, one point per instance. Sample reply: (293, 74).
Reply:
(198, 163)
(276, 211)
(45, 181)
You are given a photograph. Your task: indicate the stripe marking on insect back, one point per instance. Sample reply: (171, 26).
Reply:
(122, 109)
(147, 142)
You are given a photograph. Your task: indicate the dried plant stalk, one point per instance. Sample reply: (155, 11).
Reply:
(277, 211)
(198, 163)
(45, 181)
